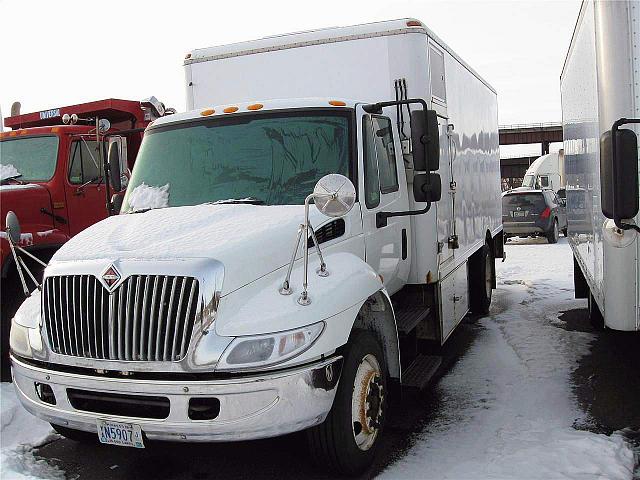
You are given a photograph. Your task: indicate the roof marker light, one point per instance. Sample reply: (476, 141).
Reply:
(255, 106)
(208, 111)
(55, 129)
(230, 109)
(414, 23)
(337, 103)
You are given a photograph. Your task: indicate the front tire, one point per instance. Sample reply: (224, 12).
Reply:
(347, 440)
(481, 280)
(595, 315)
(554, 233)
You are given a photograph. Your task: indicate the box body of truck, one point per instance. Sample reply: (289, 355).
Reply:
(199, 304)
(364, 63)
(599, 85)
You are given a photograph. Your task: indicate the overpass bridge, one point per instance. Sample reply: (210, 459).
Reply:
(512, 169)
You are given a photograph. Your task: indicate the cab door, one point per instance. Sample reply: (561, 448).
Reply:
(383, 188)
(85, 189)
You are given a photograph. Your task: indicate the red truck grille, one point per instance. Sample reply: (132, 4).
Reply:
(146, 318)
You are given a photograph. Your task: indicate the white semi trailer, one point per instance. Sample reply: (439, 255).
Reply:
(600, 86)
(192, 317)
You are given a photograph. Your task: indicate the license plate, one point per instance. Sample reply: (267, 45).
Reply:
(123, 434)
(519, 214)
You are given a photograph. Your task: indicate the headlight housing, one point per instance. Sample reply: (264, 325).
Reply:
(264, 350)
(25, 338)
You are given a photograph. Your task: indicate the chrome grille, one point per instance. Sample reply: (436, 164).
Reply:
(147, 318)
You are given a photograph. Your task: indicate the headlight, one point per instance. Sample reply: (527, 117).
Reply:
(263, 350)
(19, 341)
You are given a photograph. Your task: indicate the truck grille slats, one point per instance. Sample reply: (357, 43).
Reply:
(147, 318)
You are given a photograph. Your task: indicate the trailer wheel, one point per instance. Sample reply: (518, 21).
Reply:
(75, 435)
(346, 441)
(554, 233)
(595, 315)
(481, 280)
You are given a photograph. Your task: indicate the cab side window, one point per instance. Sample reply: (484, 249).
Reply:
(84, 162)
(371, 179)
(385, 150)
(380, 170)
(544, 181)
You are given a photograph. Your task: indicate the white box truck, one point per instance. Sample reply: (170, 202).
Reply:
(192, 317)
(600, 87)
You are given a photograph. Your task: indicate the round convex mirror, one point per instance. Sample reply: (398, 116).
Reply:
(334, 195)
(104, 125)
(13, 227)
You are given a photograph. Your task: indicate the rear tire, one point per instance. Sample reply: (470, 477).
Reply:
(347, 440)
(481, 280)
(565, 232)
(595, 315)
(75, 435)
(554, 233)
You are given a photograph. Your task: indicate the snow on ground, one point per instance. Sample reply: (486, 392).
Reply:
(508, 407)
(20, 432)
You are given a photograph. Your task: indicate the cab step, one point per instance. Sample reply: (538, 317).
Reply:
(408, 318)
(421, 371)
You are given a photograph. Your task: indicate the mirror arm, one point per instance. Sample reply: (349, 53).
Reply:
(614, 128)
(377, 107)
(381, 217)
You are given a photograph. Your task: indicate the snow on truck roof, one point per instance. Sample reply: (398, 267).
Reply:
(254, 106)
(323, 36)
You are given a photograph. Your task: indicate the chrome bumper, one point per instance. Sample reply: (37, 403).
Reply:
(253, 407)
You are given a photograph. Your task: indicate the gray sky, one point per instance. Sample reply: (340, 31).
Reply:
(57, 53)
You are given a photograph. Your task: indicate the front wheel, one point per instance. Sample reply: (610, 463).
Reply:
(554, 233)
(347, 440)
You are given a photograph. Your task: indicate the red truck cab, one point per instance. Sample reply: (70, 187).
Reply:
(52, 177)
(52, 174)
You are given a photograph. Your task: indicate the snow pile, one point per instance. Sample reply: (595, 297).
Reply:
(147, 196)
(20, 432)
(8, 171)
(507, 407)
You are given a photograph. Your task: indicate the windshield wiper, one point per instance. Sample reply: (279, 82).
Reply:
(142, 210)
(234, 201)
(15, 178)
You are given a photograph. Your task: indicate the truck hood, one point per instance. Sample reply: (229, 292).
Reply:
(249, 240)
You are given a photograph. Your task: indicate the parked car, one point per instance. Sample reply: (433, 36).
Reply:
(527, 212)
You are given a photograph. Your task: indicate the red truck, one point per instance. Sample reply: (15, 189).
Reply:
(52, 176)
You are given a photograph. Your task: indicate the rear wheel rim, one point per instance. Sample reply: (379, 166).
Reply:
(367, 402)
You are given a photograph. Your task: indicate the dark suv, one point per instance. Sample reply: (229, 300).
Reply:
(528, 212)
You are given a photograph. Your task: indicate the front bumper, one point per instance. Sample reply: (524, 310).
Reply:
(251, 407)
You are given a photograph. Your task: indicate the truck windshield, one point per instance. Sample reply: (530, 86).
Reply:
(28, 159)
(529, 181)
(270, 158)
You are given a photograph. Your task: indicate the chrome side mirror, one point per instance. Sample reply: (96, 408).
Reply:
(334, 195)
